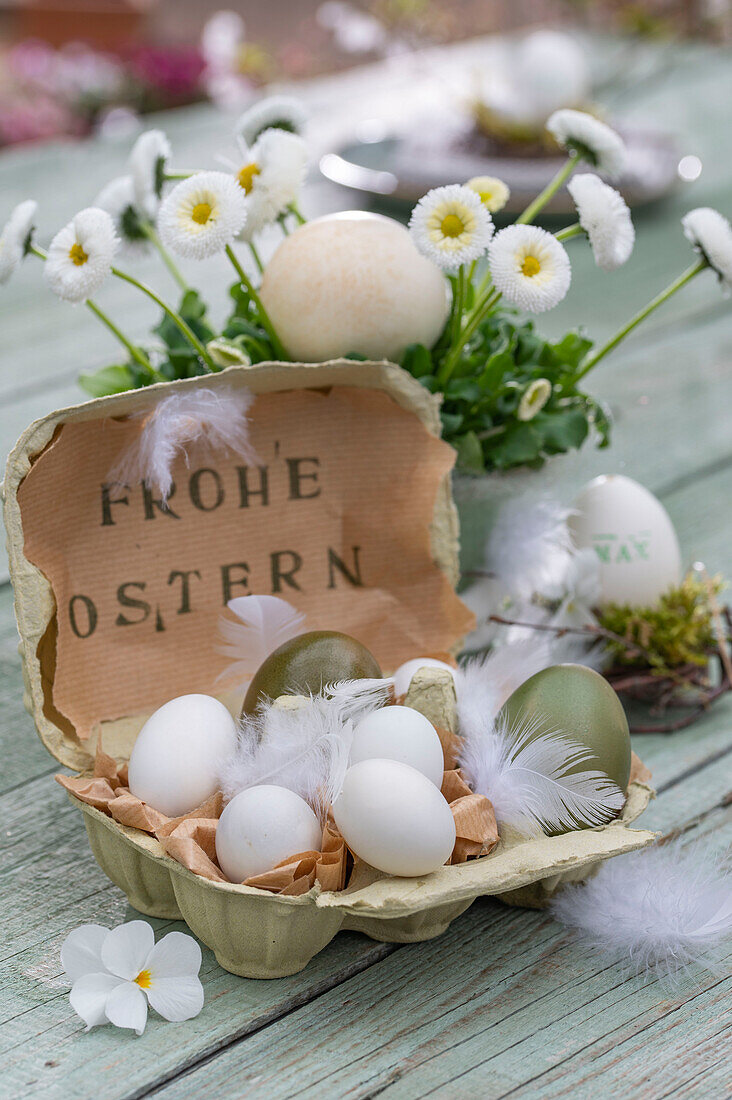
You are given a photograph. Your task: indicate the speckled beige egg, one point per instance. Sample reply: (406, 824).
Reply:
(353, 283)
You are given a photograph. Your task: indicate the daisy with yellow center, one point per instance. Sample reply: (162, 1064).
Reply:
(492, 192)
(15, 236)
(80, 255)
(270, 175)
(529, 267)
(202, 215)
(451, 226)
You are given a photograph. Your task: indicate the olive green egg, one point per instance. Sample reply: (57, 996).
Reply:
(305, 664)
(580, 703)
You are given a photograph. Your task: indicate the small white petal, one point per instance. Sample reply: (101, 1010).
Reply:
(127, 1007)
(81, 952)
(711, 234)
(175, 955)
(176, 998)
(202, 215)
(126, 949)
(279, 112)
(89, 997)
(605, 217)
(451, 226)
(530, 267)
(590, 139)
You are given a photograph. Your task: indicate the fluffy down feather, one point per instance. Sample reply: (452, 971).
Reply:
(195, 424)
(263, 624)
(659, 911)
(530, 546)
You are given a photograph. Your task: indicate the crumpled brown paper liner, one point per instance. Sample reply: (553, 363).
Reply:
(475, 822)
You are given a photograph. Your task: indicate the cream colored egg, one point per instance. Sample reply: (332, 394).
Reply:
(406, 672)
(353, 282)
(633, 537)
(176, 759)
(261, 827)
(394, 818)
(400, 733)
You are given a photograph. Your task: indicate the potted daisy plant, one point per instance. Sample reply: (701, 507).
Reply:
(511, 399)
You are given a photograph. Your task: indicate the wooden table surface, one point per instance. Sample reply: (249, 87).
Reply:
(506, 1003)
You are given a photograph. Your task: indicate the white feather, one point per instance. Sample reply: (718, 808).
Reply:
(659, 910)
(527, 775)
(354, 699)
(530, 548)
(263, 624)
(305, 749)
(195, 424)
(483, 684)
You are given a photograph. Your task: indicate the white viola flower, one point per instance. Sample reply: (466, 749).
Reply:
(604, 215)
(14, 237)
(534, 398)
(202, 215)
(451, 226)
(589, 139)
(276, 112)
(116, 974)
(529, 267)
(270, 175)
(711, 235)
(80, 255)
(493, 193)
(119, 201)
(148, 160)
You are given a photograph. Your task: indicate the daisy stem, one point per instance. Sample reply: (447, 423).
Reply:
(175, 317)
(137, 354)
(293, 208)
(458, 301)
(150, 233)
(256, 256)
(263, 315)
(677, 284)
(482, 308)
(570, 231)
(549, 191)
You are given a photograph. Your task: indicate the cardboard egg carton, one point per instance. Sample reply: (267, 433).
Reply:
(349, 516)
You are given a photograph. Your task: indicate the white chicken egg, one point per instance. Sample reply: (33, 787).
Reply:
(403, 675)
(394, 818)
(261, 827)
(353, 282)
(632, 536)
(176, 759)
(400, 733)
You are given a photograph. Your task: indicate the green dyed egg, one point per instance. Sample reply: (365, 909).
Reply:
(580, 703)
(305, 664)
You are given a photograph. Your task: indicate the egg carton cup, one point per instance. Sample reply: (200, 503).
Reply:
(261, 935)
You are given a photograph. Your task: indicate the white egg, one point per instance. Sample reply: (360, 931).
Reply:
(176, 759)
(632, 536)
(394, 818)
(353, 282)
(261, 827)
(400, 733)
(403, 675)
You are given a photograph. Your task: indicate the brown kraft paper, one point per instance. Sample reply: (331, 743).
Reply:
(336, 520)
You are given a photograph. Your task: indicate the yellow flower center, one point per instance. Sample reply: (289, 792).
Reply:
(144, 979)
(530, 266)
(77, 255)
(246, 176)
(452, 226)
(201, 212)
(486, 196)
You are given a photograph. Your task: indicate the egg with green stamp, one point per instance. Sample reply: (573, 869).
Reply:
(579, 703)
(306, 664)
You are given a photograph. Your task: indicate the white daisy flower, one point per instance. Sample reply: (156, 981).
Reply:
(530, 267)
(711, 235)
(148, 160)
(80, 255)
(202, 214)
(451, 226)
(116, 974)
(119, 201)
(605, 217)
(589, 139)
(534, 398)
(277, 112)
(493, 193)
(14, 237)
(270, 175)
